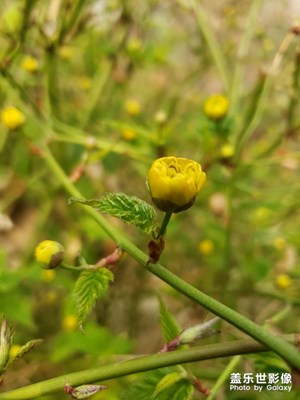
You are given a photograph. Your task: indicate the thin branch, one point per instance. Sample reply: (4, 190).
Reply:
(140, 364)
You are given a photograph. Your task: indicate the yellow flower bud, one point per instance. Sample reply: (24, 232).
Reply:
(128, 134)
(227, 151)
(160, 117)
(206, 247)
(216, 106)
(174, 183)
(134, 45)
(279, 243)
(48, 275)
(14, 350)
(132, 107)
(70, 323)
(283, 281)
(84, 82)
(12, 118)
(30, 64)
(50, 253)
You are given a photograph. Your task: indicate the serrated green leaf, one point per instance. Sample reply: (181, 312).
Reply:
(182, 390)
(130, 209)
(168, 323)
(89, 287)
(269, 362)
(143, 388)
(167, 382)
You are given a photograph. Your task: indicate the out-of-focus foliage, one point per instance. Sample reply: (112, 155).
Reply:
(108, 86)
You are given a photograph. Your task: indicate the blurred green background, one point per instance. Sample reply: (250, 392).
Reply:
(108, 86)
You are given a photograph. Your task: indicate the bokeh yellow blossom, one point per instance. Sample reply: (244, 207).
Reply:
(227, 151)
(216, 106)
(14, 350)
(128, 134)
(12, 118)
(30, 64)
(279, 243)
(84, 82)
(174, 183)
(132, 107)
(206, 247)
(160, 117)
(283, 281)
(69, 323)
(48, 275)
(51, 296)
(134, 45)
(66, 52)
(261, 216)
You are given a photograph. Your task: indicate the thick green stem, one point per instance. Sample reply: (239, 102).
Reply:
(278, 345)
(140, 364)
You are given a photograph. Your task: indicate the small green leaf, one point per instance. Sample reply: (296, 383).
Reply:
(25, 349)
(89, 287)
(168, 323)
(129, 209)
(145, 388)
(182, 390)
(167, 382)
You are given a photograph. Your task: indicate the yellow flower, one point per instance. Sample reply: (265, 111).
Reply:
(30, 64)
(283, 281)
(48, 275)
(174, 183)
(66, 52)
(69, 323)
(84, 82)
(261, 215)
(160, 117)
(227, 151)
(132, 107)
(206, 247)
(51, 296)
(279, 243)
(12, 118)
(134, 45)
(49, 253)
(128, 134)
(14, 350)
(216, 106)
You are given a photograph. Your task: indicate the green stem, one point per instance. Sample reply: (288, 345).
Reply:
(69, 25)
(79, 268)
(278, 345)
(164, 224)
(260, 96)
(99, 80)
(26, 15)
(211, 40)
(140, 364)
(294, 97)
(242, 52)
(224, 376)
(254, 113)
